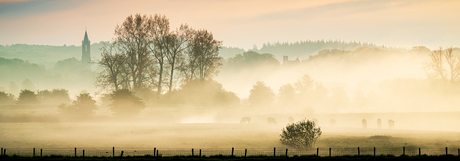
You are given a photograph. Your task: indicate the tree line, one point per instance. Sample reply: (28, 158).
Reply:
(146, 55)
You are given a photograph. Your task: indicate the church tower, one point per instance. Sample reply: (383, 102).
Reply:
(86, 52)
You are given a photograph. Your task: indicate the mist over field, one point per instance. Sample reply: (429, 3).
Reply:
(155, 82)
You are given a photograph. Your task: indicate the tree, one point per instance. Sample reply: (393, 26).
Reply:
(113, 65)
(56, 96)
(125, 103)
(27, 97)
(448, 69)
(203, 56)
(6, 98)
(286, 95)
(300, 135)
(260, 95)
(85, 105)
(159, 29)
(176, 44)
(132, 40)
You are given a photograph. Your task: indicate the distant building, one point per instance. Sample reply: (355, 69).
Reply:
(86, 52)
(286, 61)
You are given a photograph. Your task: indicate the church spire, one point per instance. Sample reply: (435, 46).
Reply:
(86, 36)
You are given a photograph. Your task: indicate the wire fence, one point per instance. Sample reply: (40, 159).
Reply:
(237, 152)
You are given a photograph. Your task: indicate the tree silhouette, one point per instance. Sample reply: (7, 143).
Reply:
(261, 95)
(125, 103)
(27, 97)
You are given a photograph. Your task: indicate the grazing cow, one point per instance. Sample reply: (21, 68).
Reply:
(364, 123)
(245, 120)
(291, 119)
(391, 124)
(379, 123)
(332, 122)
(315, 121)
(271, 120)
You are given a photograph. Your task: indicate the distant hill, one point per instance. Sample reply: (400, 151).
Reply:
(45, 54)
(48, 55)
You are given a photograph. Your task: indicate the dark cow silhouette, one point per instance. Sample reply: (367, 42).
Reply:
(332, 122)
(245, 120)
(364, 123)
(315, 121)
(379, 123)
(391, 124)
(291, 119)
(271, 120)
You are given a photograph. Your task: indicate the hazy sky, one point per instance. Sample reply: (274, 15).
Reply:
(240, 23)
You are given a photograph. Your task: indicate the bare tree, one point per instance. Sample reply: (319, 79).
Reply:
(132, 40)
(113, 64)
(204, 55)
(448, 69)
(176, 44)
(159, 29)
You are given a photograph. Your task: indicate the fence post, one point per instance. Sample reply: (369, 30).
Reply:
(358, 150)
(75, 152)
(113, 152)
(154, 151)
(41, 153)
(447, 151)
(233, 149)
(404, 150)
(200, 154)
(329, 152)
(2, 152)
(374, 151)
(121, 154)
(192, 152)
(245, 153)
(287, 156)
(157, 152)
(317, 151)
(83, 154)
(33, 154)
(274, 152)
(458, 152)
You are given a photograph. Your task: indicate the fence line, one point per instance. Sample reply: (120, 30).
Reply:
(237, 152)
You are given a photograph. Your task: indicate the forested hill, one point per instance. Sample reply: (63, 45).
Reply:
(304, 49)
(48, 55)
(45, 54)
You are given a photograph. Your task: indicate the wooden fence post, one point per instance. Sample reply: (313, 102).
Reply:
(245, 153)
(374, 151)
(458, 152)
(157, 153)
(287, 156)
(317, 151)
(274, 152)
(83, 154)
(2, 152)
(192, 152)
(200, 154)
(447, 153)
(329, 152)
(33, 154)
(233, 149)
(419, 152)
(41, 153)
(358, 150)
(75, 152)
(113, 152)
(404, 150)
(154, 151)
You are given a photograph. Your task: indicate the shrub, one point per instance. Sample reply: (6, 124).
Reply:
(300, 135)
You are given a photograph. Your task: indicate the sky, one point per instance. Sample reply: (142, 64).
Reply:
(240, 23)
